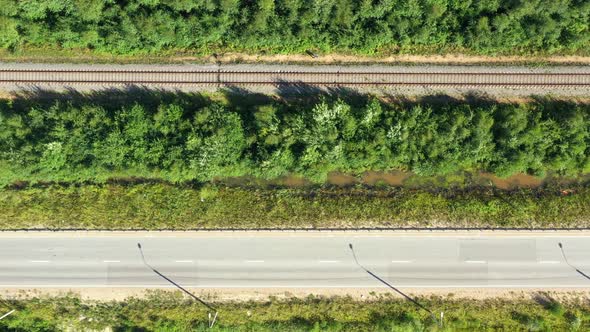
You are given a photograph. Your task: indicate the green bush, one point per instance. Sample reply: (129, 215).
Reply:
(293, 26)
(181, 140)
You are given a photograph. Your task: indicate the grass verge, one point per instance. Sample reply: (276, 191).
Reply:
(165, 206)
(455, 57)
(171, 312)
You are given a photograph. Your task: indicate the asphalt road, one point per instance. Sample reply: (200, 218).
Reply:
(299, 260)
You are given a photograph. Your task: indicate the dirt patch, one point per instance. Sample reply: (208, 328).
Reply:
(395, 178)
(514, 181)
(398, 178)
(343, 59)
(7, 95)
(293, 181)
(411, 180)
(341, 179)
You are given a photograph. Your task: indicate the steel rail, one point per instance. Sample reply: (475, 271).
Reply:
(280, 77)
(284, 72)
(295, 82)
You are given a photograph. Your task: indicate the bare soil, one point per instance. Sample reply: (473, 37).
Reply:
(394, 178)
(514, 181)
(293, 181)
(341, 179)
(418, 59)
(398, 178)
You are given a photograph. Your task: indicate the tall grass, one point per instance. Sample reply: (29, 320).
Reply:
(170, 312)
(160, 206)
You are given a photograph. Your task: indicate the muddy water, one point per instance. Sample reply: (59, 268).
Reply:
(293, 181)
(394, 178)
(514, 181)
(398, 178)
(341, 179)
(408, 179)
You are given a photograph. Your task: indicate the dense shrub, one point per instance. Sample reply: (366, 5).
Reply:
(180, 141)
(287, 26)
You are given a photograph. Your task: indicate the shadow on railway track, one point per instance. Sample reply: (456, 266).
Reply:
(293, 91)
(110, 98)
(472, 98)
(295, 98)
(238, 96)
(294, 94)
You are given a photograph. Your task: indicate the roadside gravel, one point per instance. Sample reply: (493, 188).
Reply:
(263, 294)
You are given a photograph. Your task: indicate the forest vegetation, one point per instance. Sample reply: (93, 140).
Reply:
(127, 27)
(152, 160)
(194, 138)
(162, 311)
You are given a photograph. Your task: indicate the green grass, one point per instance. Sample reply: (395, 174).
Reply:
(171, 312)
(160, 205)
(85, 56)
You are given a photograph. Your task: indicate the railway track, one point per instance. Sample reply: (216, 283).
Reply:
(221, 77)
